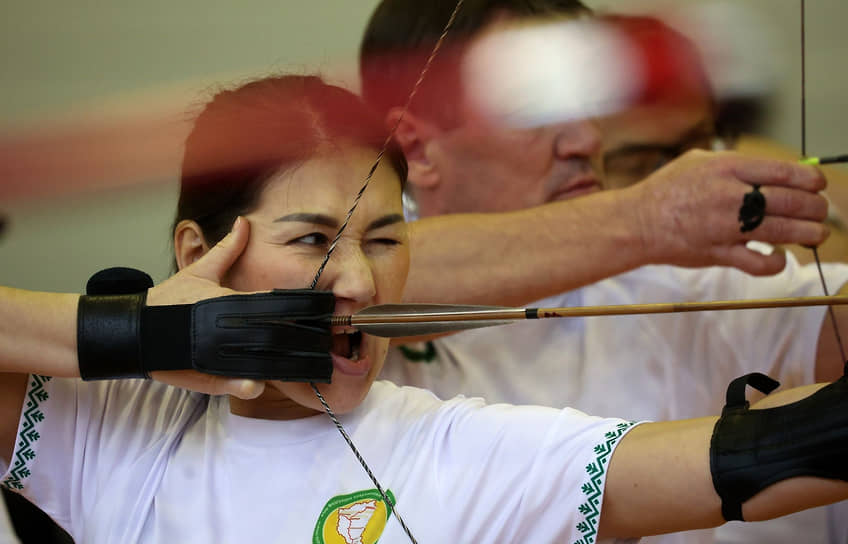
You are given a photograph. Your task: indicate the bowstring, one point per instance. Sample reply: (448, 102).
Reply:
(814, 249)
(388, 140)
(390, 504)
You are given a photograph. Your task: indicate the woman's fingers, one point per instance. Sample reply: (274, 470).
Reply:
(217, 262)
(211, 384)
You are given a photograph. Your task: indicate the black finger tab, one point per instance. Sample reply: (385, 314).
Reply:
(753, 210)
(283, 335)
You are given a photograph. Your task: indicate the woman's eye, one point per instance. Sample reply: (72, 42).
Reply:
(384, 241)
(312, 239)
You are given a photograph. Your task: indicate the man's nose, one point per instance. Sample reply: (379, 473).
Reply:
(353, 278)
(577, 139)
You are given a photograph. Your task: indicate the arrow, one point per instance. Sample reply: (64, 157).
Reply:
(403, 320)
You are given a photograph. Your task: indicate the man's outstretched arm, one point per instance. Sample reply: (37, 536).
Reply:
(684, 214)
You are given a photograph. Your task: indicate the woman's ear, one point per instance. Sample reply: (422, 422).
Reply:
(413, 135)
(189, 243)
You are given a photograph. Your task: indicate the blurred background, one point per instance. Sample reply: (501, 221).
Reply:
(126, 75)
(96, 95)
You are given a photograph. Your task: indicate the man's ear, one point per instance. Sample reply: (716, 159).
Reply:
(189, 243)
(413, 134)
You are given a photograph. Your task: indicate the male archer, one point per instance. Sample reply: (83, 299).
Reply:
(544, 241)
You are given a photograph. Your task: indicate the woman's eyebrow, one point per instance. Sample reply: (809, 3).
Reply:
(385, 220)
(326, 220)
(315, 218)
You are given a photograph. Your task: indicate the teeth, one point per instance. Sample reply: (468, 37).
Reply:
(355, 343)
(347, 345)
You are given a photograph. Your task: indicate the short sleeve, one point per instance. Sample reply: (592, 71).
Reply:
(73, 434)
(538, 476)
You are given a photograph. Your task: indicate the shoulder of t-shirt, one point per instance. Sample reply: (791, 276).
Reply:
(127, 388)
(413, 402)
(125, 396)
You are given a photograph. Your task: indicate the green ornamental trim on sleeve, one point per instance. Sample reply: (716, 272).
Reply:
(28, 435)
(425, 355)
(594, 487)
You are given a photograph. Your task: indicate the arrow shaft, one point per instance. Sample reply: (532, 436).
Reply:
(419, 314)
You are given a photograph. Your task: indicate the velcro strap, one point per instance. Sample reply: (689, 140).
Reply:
(109, 336)
(118, 281)
(166, 337)
(735, 398)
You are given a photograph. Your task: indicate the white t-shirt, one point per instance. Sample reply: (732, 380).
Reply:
(138, 461)
(655, 367)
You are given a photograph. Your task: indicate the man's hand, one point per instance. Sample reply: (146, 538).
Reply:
(689, 210)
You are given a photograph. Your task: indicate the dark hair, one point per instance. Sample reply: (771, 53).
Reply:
(402, 33)
(245, 136)
(740, 115)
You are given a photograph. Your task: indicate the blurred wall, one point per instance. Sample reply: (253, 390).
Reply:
(112, 59)
(62, 61)
(826, 78)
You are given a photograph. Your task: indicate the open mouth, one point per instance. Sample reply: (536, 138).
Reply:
(347, 345)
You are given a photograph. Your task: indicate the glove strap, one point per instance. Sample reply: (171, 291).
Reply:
(108, 336)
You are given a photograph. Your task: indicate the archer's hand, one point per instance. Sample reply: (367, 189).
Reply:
(199, 281)
(689, 210)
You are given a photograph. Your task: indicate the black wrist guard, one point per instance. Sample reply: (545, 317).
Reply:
(752, 449)
(282, 335)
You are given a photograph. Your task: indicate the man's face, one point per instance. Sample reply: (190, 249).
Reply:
(641, 139)
(487, 167)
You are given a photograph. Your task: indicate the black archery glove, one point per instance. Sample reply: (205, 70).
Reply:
(281, 335)
(753, 449)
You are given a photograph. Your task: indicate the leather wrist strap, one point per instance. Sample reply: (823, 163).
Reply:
(109, 336)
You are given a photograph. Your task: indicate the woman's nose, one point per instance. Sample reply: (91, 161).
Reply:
(353, 278)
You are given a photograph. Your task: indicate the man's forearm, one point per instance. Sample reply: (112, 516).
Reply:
(517, 257)
(684, 214)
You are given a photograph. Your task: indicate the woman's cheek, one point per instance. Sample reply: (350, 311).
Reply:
(390, 267)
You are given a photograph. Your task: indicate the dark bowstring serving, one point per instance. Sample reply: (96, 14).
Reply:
(390, 505)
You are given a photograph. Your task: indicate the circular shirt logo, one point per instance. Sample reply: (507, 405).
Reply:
(355, 518)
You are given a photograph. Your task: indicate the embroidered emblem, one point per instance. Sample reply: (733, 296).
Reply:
(355, 518)
(425, 355)
(28, 435)
(593, 489)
